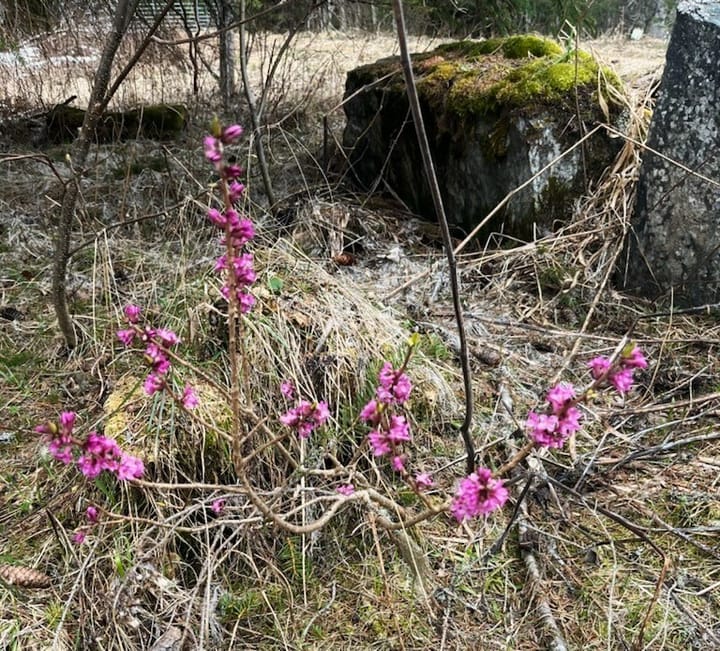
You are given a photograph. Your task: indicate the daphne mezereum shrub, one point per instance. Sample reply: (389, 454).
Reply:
(389, 436)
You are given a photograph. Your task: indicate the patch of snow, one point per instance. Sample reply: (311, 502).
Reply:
(26, 55)
(73, 59)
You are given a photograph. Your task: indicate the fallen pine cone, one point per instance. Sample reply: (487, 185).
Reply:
(24, 577)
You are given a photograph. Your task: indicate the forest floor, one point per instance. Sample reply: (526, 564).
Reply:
(614, 544)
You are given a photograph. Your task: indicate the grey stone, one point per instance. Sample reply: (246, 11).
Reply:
(496, 113)
(674, 244)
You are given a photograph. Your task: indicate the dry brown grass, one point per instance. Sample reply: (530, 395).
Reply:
(642, 472)
(314, 69)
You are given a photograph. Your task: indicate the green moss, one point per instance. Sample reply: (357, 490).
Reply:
(517, 47)
(531, 70)
(542, 80)
(512, 47)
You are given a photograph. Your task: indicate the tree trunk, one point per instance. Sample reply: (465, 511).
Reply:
(78, 156)
(99, 98)
(227, 55)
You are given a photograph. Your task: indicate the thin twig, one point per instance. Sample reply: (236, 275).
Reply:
(254, 115)
(424, 146)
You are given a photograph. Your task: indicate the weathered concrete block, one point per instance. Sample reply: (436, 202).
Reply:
(496, 113)
(674, 244)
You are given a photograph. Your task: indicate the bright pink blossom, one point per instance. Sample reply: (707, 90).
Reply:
(394, 386)
(132, 313)
(306, 417)
(635, 359)
(61, 448)
(544, 430)
(622, 380)
(91, 514)
(238, 231)
(383, 441)
(213, 149)
(399, 430)
(242, 268)
(241, 232)
(569, 423)
(321, 413)
(553, 429)
(96, 454)
(371, 413)
(345, 489)
(167, 337)
(244, 298)
(287, 389)
(216, 217)
(59, 436)
(218, 506)
(235, 191)
(423, 481)
(79, 537)
(599, 366)
(398, 463)
(153, 384)
(99, 453)
(620, 374)
(379, 442)
(130, 467)
(478, 494)
(559, 396)
(148, 334)
(67, 421)
(231, 133)
(189, 398)
(126, 336)
(157, 358)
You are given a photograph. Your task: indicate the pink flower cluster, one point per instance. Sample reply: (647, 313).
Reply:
(102, 453)
(305, 416)
(562, 419)
(214, 146)
(390, 430)
(554, 428)
(95, 454)
(238, 231)
(157, 342)
(478, 494)
(621, 373)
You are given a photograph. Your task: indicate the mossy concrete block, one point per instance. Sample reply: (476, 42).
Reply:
(674, 244)
(497, 112)
(155, 122)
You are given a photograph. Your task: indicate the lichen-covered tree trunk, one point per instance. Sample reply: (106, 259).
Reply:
(674, 245)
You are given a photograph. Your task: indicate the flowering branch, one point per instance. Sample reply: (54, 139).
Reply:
(236, 266)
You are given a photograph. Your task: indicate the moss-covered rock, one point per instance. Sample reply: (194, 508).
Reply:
(156, 122)
(497, 111)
